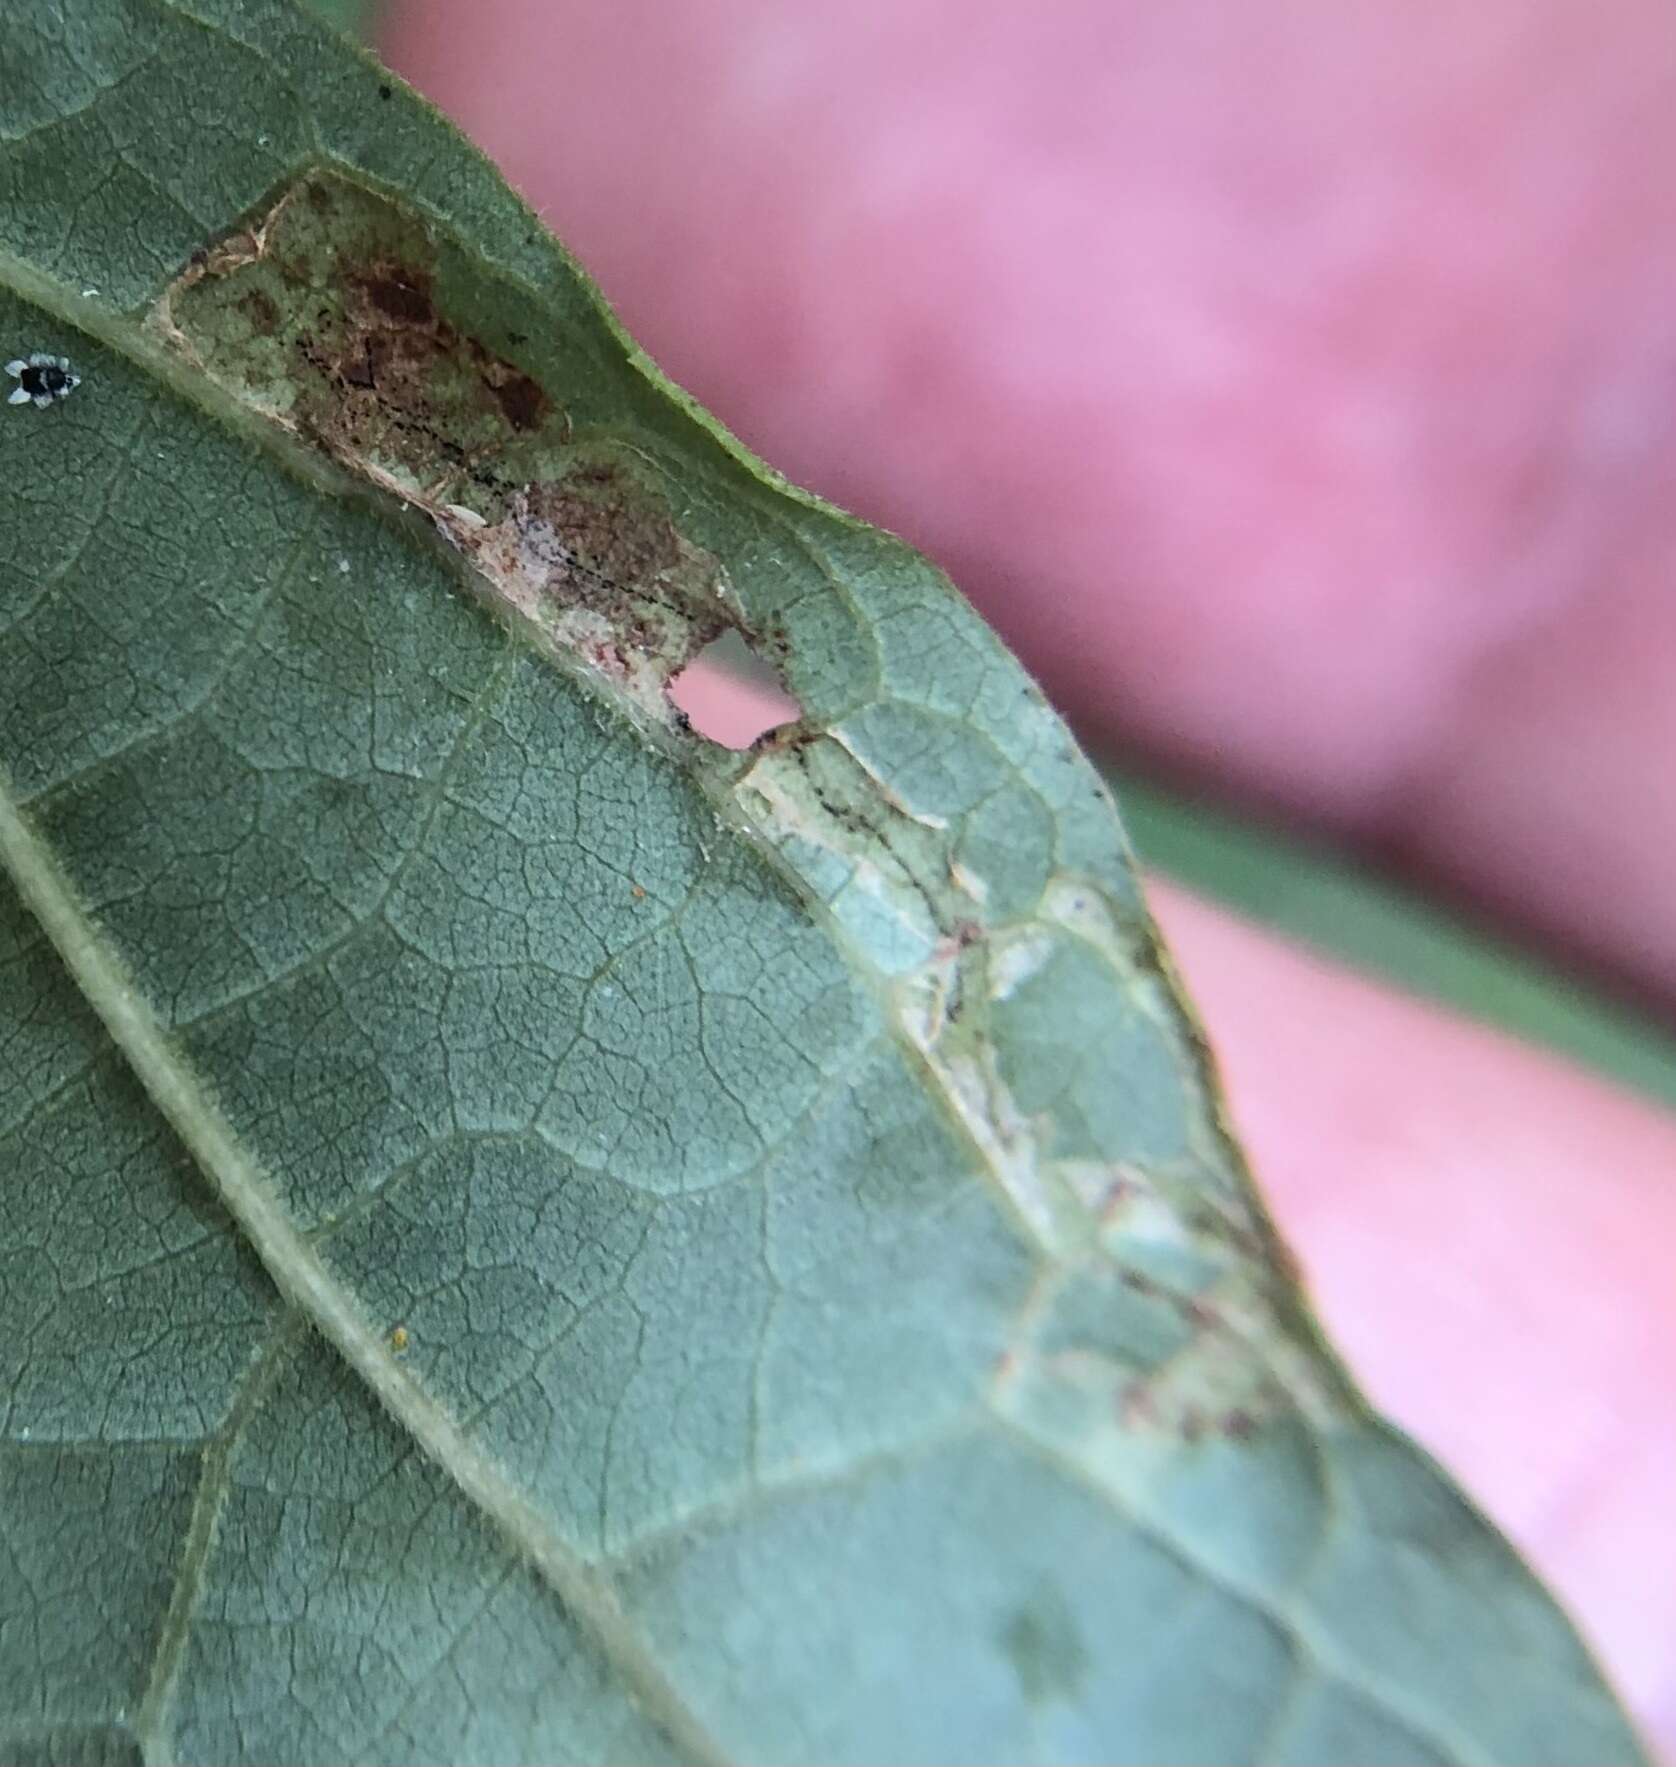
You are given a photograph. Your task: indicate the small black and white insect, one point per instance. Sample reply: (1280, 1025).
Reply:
(41, 379)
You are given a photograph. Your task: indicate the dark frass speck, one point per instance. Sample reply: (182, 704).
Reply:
(41, 379)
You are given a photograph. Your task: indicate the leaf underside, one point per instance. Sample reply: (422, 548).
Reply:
(526, 1236)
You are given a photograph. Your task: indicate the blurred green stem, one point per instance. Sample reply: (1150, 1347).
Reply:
(1306, 892)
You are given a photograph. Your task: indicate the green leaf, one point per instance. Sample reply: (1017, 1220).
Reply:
(527, 1236)
(350, 16)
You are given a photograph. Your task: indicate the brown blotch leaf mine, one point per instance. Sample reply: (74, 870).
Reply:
(346, 319)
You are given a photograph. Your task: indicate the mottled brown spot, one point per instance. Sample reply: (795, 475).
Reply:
(402, 294)
(1118, 1194)
(524, 403)
(1045, 1647)
(1201, 1313)
(359, 372)
(1135, 1406)
(609, 538)
(260, 310)
(1286, 1260)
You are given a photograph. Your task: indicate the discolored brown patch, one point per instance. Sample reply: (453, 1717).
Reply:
(524, 403)
(588, 520)
(337, 314)
(401, 293)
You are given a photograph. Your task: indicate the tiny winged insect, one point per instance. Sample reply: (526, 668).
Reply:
(41, 379)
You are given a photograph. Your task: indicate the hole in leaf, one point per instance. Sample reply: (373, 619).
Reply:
(731, 695)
